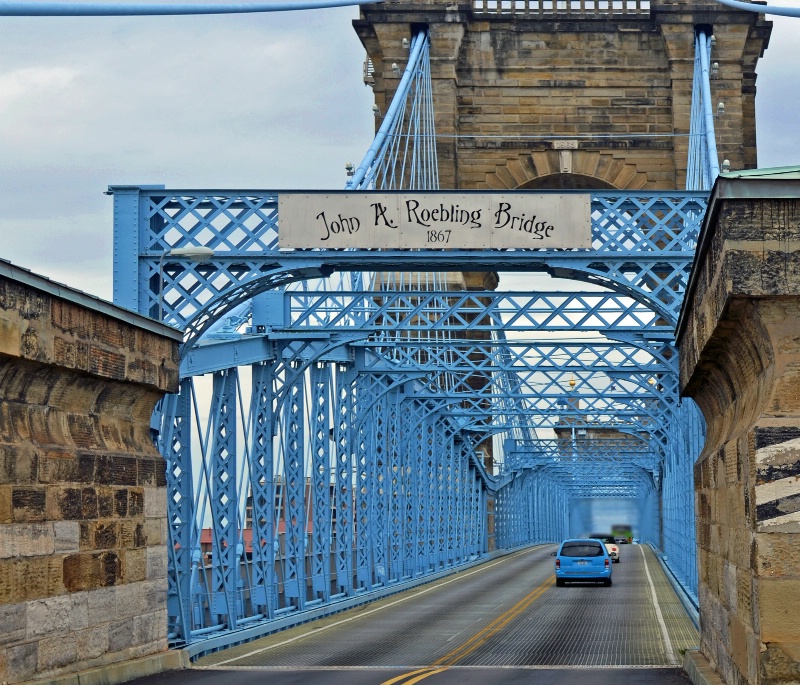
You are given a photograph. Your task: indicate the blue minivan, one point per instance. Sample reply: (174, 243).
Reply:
(582, 559)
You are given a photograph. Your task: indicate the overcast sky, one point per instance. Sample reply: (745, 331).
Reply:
(252, 101)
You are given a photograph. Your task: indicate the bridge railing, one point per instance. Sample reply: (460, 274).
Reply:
(549, 8)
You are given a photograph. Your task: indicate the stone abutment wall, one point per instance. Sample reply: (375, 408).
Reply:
(739, 340)
(82, 487)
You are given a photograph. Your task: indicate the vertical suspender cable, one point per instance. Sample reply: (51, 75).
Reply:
(713, 157)
(417, 44)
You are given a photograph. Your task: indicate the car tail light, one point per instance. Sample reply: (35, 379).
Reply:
(606, 563)
(558, 563)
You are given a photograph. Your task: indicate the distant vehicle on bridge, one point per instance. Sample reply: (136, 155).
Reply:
(622, 533)
(612, 546)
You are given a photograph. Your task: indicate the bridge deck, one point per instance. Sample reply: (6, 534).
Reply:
(506, 613)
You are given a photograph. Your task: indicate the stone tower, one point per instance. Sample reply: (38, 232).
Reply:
(571, 93)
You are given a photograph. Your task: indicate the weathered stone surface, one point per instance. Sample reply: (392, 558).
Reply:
(77, 387)
(739, 340)
(20, 661)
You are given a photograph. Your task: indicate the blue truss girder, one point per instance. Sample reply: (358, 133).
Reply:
(463, 311)
(642, 245)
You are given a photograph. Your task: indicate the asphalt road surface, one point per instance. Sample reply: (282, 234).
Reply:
(503, 622)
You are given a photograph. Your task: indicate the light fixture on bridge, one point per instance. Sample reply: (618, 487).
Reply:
(196, 253)
(405, 43)
(714, 69)
(395, 69)
(713, 40)
(726, 166)
(376, 111)
(350, 169)
(721, 109)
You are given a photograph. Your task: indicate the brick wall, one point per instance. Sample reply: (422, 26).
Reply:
(82, 488)
(740, 360)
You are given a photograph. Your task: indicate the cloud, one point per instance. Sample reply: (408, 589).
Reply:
(21, 87)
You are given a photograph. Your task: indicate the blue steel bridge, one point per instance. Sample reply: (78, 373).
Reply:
(350, 422)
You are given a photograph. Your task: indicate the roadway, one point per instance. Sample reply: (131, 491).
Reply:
(504, 621)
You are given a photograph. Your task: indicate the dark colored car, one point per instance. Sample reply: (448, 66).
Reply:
(582, 559)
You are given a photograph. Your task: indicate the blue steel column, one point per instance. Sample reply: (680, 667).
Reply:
(294, 579)
(457, 511)
(225, 572)
(262, 484)
(477, 514)
(396, 485)
(126, 248)
(175, 444)
(364, 461)
(343, 409)
(449, 505)
(429, 488)
(378, 490)
(411, 445)
(321, 481)
(439, 527)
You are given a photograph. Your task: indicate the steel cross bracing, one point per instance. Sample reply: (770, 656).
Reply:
(643, 244)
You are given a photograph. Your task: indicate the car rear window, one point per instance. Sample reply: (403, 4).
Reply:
(581, 549)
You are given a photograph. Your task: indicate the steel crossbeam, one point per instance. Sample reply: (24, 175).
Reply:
(461, 311)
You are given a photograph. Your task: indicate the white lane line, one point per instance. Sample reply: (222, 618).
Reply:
(664, 634)
(317, 631)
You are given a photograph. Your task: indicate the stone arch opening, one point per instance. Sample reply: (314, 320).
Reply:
(566, 182)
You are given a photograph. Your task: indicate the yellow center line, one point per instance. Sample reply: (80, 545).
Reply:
(475, 641)
(425, 673)
(499, 623)
(407, 675)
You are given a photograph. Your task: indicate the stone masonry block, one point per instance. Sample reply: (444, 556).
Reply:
(121, 635)
(156, 562)
(5, 504)
(149, 628)
(28, 504)
(21, 661)
(155, 503)
(13, 619)
(55, 653)
(102, 603)
(50, 616)
(131, 600)
(89, 571)
(135, 565)
(780, 663)
(26, 540)
(778, 555)
(91, 643)
(154, 594)
(779, 603)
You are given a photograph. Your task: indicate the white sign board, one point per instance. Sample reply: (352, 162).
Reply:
(423, 220)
